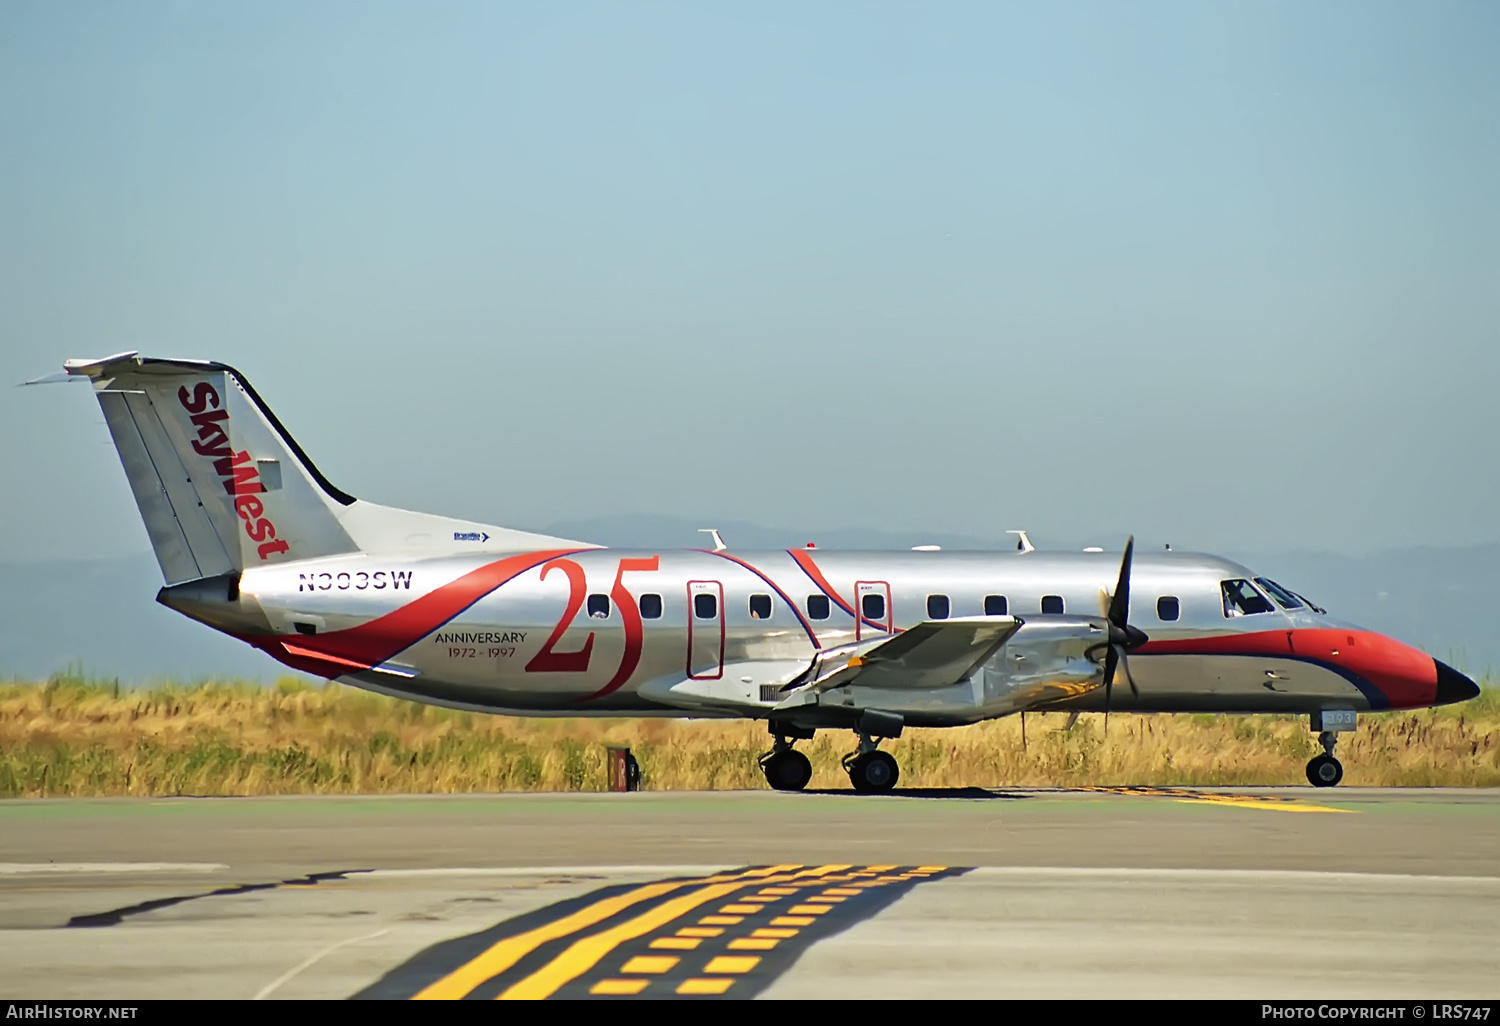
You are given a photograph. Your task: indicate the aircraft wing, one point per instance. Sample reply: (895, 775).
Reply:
(934, 654)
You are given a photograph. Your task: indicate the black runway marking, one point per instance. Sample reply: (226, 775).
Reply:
(731, 946)
(115, 916)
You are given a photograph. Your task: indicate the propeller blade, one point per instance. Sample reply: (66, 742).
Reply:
(1119, 604)
(1111, 660)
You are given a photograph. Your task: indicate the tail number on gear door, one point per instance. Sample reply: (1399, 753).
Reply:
(549, 660)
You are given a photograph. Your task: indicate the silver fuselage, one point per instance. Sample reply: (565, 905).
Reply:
(562, 633)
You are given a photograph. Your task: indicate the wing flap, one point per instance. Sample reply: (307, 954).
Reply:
(933, 654)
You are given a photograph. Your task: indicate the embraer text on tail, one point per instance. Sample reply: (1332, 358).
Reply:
(236, 469)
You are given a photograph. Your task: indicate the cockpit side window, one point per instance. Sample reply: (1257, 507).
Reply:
(1241, 599)
(1284, 598)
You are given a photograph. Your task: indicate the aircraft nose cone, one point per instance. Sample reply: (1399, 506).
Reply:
(1453, 686)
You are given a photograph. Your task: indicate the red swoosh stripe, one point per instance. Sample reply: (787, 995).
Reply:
(1407, 677)
(370, 644)
(811, 569)
(795, 611)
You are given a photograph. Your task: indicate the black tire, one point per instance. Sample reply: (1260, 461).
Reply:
(874, 773)
(787, 771)
(1324, 771)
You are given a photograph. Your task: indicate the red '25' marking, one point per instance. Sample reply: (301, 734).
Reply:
(548, 660)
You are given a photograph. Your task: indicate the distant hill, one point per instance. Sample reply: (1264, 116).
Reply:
(102, 614)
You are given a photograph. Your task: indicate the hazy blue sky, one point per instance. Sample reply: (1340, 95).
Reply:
(1226, 274)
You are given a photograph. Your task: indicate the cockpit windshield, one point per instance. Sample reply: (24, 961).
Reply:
(1241, 599)
(1284, 598)
(1312, 605)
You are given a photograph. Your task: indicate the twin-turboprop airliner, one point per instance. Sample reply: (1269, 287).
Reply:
(255, 542)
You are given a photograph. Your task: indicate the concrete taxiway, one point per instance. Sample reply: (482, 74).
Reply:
(1255, 893)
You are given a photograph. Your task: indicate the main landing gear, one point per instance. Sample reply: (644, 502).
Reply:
(786, 769)
(1324, 770)
(870, 770)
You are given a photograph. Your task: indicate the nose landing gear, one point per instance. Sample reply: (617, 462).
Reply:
(1324, 770)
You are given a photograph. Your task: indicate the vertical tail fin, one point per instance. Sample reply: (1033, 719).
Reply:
(220, 484)
(223, 487)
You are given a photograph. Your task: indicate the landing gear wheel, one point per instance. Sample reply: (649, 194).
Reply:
(1324, 771)
(873, 772)
(787, 770)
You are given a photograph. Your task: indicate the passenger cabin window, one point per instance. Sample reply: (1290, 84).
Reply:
(599, 607)
(1168, 608)
(706, 606)
(760, 607)
(651, 607)
(995, 605)
(873, 606)
(937, 607)
(817, 607)
(1241, 599)
(1284, 598)
(1052, 604)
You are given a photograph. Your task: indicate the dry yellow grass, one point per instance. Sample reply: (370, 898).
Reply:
(67, 737)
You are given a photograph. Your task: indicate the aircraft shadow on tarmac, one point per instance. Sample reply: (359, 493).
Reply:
(925, 792)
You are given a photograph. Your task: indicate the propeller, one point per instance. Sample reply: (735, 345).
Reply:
(1123, 638)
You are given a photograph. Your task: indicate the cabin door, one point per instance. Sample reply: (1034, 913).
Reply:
(705, 636)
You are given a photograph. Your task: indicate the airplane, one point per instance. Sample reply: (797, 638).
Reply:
(255, 542)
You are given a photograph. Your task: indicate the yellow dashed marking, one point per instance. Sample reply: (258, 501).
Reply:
(585, 953)
(1244, 801)
(701, 986)
(753, 944)
(732, 964)
(676, 943)
(619, 986)
(1257, 803)
(661, 928)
